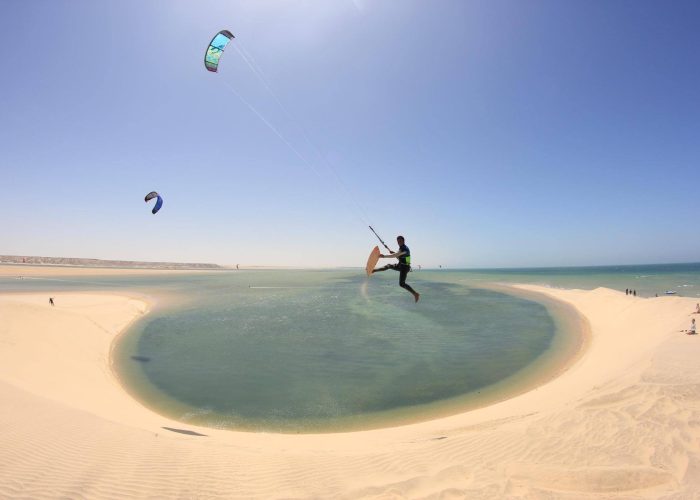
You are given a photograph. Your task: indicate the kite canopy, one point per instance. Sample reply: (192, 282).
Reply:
(159, 201)
(216, 48)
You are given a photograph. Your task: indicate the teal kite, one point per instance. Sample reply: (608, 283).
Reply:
(215, 49)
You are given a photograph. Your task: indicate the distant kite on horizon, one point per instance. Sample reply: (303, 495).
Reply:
(216, 49)
(159, 201)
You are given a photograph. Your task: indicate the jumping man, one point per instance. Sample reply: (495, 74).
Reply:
(403, 267)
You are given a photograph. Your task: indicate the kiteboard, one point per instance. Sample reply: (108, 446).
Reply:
(372, 260)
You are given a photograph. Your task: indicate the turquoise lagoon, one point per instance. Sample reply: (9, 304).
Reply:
(324, 351)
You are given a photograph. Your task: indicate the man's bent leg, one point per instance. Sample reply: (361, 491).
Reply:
(388, 266)
(402, 282)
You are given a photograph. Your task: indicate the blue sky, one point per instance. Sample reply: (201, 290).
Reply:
(490, 134)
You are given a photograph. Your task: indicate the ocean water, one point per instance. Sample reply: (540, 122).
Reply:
(319, 351)
(647, 280)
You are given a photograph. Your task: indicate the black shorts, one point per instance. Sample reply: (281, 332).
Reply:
(404, 269)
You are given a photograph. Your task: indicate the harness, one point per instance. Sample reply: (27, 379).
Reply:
(405, 259)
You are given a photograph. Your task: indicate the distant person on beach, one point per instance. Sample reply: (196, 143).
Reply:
(697, 309)
(403, 267)
(634, 292)
(691, 330)
(627, 291)
(51, 301)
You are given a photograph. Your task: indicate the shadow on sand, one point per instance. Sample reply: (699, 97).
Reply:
(183, 431)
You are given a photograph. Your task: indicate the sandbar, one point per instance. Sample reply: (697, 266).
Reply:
(623, 419)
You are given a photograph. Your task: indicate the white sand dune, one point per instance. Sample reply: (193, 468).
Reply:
(622, 422)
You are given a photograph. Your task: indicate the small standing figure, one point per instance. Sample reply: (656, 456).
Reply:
(634, 292)
(627, 291)
(51, 301)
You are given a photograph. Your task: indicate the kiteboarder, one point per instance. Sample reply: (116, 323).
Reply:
(403, 267)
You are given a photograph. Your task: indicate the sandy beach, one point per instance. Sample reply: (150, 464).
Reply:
(622, 421)
(32, 272)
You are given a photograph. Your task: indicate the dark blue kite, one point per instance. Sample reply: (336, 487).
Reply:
(159, 201)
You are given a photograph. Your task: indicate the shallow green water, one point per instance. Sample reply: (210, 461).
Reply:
(301, 351)
(307, 351)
